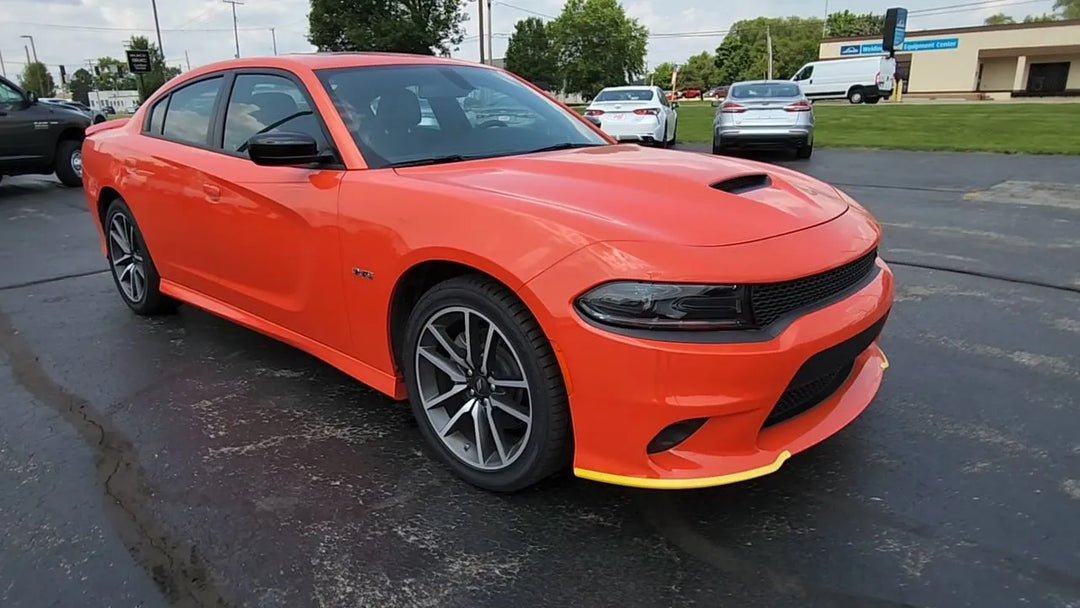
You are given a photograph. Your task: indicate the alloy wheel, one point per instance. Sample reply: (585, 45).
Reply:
(472, 388)
(127, 257)
(76, 162)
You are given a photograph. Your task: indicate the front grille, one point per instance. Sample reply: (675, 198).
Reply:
(822, 375)
(771, 301)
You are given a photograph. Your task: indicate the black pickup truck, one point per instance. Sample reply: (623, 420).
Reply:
(39, 138)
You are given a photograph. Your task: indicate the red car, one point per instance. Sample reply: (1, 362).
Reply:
(543, 297)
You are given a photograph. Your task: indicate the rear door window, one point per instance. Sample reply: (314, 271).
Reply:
(268, 103)
(157, 116)
(189, 116)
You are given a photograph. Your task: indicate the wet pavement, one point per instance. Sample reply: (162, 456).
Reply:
(185, 461)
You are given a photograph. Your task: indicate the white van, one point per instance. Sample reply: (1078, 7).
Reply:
(859, 79)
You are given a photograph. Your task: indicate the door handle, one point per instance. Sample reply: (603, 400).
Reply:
(212, 192)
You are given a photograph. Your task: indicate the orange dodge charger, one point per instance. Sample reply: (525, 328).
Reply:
(543, 296)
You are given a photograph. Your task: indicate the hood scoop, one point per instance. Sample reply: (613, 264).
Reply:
(741, 184)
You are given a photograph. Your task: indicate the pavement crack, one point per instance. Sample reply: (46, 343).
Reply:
(984, 275)
(167, 561)
(63, 277)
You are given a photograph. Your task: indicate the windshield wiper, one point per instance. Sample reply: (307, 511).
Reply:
(435, 160)
(563, 146)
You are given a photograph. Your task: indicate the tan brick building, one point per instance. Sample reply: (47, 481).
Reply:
(1002, 61)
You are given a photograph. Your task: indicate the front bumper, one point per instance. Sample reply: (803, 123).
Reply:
(624, 390)
(762, 137)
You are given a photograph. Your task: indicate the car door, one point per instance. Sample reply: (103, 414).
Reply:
(667, 112)
(21, 126)
(164, 179)
(271, 232)
(805, 78)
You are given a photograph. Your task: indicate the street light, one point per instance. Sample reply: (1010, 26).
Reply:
(38, 84)
(32, 47)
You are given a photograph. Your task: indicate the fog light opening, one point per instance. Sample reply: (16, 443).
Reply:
(674, 434)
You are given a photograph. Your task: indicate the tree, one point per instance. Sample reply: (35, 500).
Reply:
(81, 83)
(598, 45)
(1045, 17)
(530, 54)
(847, 24)
(1068, 9)
(699, 72)
(36, 77)
(160, 73)
(112, 73)
(999, 19)
(742, 55)
(661, 75)
(426, 27)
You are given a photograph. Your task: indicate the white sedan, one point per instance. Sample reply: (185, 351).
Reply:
(641, 114)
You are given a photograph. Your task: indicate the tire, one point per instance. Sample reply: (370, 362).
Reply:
(99, 119)
(872, 100)
(804, 152)
(544, 447)
(69, 162)
(717, 148)
(147, 300)
(855, 95)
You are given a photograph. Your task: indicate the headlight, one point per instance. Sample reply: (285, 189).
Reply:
(667, 306)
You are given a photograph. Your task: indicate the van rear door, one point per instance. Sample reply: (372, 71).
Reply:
(886, 78)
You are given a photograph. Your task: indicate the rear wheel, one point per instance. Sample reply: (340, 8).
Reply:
(856, 95)
(133, 269)
(805, 152)
(674, 134)
(872, 100)
(484, 385)
(69, 163)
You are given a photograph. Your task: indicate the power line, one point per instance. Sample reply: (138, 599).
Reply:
(524, 10)
(104, 28)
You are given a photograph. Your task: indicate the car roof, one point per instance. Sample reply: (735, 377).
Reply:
(629, 87)
(762, 82)
(321, 61)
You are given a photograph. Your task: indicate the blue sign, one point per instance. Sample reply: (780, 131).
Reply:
(935, 44)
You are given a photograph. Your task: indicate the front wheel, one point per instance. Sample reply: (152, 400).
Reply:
(69, 163)
(484, 385)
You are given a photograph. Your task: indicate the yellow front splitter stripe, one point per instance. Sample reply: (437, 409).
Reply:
(683, 484)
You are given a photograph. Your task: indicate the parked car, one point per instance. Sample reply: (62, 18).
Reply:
(717, 92)
(95, 116)
(636, 113)
(109, 110)
(691, 93)
(859, 79)
(39, 138)
(764, 114)
(543, 298)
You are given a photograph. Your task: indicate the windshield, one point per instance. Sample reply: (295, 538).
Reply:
(625, 95)
(768, 89)
(407, 114)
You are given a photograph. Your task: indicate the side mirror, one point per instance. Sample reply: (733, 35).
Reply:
(675, 105)
(283, 149)
(31, 98)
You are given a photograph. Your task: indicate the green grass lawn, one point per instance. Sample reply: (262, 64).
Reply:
(1036, 128)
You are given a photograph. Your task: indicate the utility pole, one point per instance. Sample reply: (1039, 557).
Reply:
(273, 36)
(825, 24)
(236, 33)
(188, 60)
(480, 22)
(491, 47)
(768, 43)
(31, 46)
(157, 28)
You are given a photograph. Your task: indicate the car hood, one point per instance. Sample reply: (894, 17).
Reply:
(628, 192)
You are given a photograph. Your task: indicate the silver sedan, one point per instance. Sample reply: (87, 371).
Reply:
(763, 114)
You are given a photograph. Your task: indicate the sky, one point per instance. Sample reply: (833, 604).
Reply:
(69, 32)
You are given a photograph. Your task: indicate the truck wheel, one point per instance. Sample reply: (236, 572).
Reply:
(69, 162)
(855, 95)
(872, 100)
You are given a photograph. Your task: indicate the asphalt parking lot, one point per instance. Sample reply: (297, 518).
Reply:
(184, 461)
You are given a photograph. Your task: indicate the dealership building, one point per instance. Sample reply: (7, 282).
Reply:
(993, 61)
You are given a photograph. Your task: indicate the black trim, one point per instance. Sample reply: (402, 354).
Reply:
(742, 184)
(735, 336)
(216, 135)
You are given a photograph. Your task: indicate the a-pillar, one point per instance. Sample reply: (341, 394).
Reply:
(1019, 83)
